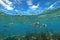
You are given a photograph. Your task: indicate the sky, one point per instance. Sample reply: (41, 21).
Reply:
(27, 7)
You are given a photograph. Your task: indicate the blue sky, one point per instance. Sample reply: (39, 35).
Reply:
(27, 6)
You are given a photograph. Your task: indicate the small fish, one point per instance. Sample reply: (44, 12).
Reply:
(43, 25)
(37, 24)
(12, 24)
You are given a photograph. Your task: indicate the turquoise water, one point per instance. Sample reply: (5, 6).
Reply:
(20, 28)
(20, 25)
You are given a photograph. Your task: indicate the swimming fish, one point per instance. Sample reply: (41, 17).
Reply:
(43, 25)
(37, 24)
(12, 24)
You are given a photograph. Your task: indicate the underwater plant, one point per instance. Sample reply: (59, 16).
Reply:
(35, 36)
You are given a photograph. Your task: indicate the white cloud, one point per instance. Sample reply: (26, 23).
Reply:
(8, 5)
(52, 6)
(8, 2)
(31, 6)
(29, 2)
(34, 7)
(18, 2)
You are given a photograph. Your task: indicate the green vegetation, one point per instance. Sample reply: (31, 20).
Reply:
(35, 36)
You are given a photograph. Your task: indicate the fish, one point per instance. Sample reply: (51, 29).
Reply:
(37, 24)
(43, 25)
(12, 24)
